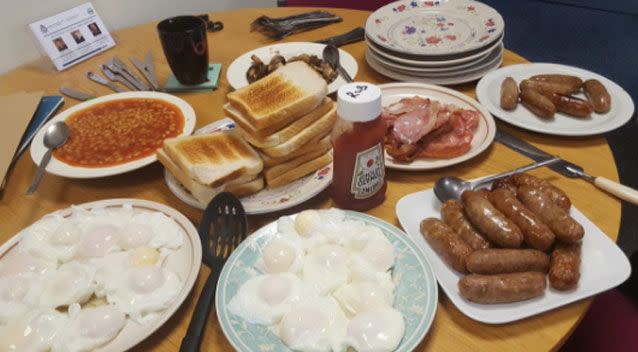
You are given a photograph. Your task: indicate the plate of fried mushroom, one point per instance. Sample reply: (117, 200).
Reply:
(259, 63)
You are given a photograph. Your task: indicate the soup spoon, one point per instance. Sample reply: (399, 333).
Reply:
(55, 136)
(451, 187)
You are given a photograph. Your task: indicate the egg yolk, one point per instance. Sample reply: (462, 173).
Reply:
(146, 279)
(143, 256)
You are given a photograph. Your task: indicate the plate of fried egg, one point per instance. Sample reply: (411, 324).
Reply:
(99, 276)
(326, 280)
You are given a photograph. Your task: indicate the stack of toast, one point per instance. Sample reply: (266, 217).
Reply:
(287, 117)
(209, 164)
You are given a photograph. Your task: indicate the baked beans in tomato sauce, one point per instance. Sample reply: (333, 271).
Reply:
(119, 131)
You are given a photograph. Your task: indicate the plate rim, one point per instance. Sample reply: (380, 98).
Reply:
(388, 9)
(348, 61)
(423, 194)
(483, 95)
(175, 186)
(435, 80)
(396, 231)
(59, 168)
(435, 63)
(180, 219)
(489, 120)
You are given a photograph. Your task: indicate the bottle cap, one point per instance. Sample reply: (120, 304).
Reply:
(359, 102)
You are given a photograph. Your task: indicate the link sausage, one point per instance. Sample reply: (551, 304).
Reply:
(502, 288)
(505, 183)
(564, 270)
(509, 94)
(557, 195)
(546, 87)
(447, 243)
(598, 95)
(571, 105)
(573, 81)
(537, 103)
(535, 233)
(503, 261)
(538, 200)
(452, 214)
(497, 227)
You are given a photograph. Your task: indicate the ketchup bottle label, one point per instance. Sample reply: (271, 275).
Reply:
(369, 172)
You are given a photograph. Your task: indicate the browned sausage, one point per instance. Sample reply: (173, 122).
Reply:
(571, 105)
(547, 87)
(570, 80)
(598, 95)
(447, 243)
(537, 199)
(497, 227)
(452, 214)
(509, 94)
(537, 103)
(505, 183)
(564, 270)
(502, 261)
(535, 233)
(559, 197)
(502, 288)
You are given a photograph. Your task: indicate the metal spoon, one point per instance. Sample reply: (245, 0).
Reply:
(330, 54)
(451, 187)
(55, 136)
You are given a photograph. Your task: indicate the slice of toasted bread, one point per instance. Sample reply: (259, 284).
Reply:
(300, 171)
(315, 132)
(313, 146)
(291, 91)
(241, 186)
(278, 170)
(215, 158)
(266, 141)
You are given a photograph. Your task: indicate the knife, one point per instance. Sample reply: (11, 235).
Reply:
(354, 35)
(103, 81)
(567, 168)
(81, 96)
(147, 68)
(122, 69)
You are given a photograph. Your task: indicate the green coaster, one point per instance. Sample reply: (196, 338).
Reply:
(173, 85)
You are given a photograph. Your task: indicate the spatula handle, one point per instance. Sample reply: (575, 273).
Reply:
(195, 332)
(621, 191)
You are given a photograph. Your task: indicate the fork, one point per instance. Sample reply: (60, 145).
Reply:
(228, 219)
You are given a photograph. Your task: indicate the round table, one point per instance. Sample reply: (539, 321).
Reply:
(451, 330)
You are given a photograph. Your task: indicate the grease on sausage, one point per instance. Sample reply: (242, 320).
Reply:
(447, 243)
(502, 261)
(453, 215)
(502, 288)
(564, 270)
(537, 103)
(558, 196)
(598, 95)
(509, 94)
(497, 227)
(535, 233)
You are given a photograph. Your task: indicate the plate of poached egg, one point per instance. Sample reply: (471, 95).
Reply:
(99, 276)
(326, 280)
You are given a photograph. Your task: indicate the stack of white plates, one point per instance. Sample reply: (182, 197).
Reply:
(437, 42)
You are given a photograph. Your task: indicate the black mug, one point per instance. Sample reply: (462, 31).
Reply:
(185, 47)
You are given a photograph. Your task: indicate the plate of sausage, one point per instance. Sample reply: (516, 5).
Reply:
(555, 99)
(430, 127)
(512, 251)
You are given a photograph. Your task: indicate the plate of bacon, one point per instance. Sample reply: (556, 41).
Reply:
(431, 127)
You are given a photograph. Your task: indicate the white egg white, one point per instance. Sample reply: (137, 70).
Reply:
(326, 268)
(283, 253)
(264, 299)
(363, 296)
(71, 283)
(33, 332)
(88, 328)
(52, 238)
(376, 330)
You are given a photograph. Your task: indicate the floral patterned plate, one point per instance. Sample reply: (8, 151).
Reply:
(441, 27)
(266, 200)
(416, 292)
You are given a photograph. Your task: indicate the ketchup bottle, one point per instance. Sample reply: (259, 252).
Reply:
(358, 181)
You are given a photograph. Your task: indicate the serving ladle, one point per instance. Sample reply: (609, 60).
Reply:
(450, 187)
(55, 136)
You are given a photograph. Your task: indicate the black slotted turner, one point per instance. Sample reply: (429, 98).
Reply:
(227, 217)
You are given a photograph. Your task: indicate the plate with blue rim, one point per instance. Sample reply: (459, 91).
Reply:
(416, 294)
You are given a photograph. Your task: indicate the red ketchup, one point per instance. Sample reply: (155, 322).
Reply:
(358, 182)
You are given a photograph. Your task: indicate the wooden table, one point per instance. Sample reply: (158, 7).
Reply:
(451, 330)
